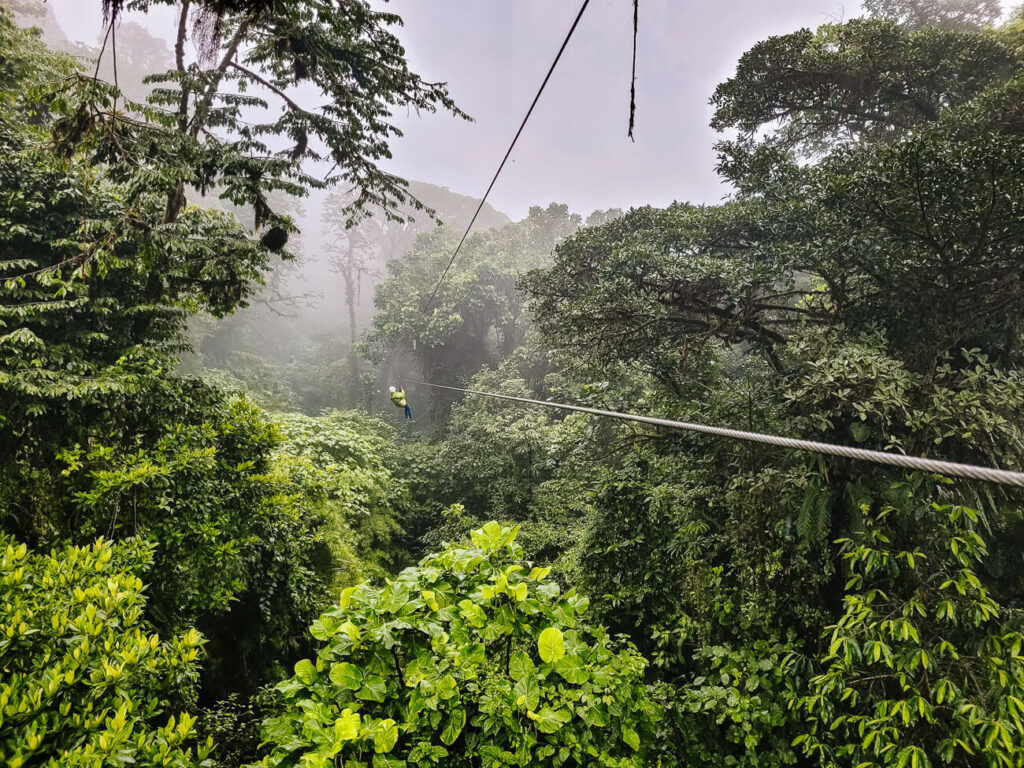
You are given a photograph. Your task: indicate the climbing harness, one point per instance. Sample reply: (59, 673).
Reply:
(951, 468)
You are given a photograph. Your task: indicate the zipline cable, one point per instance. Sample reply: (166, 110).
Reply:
(509, 152)
(951, 468)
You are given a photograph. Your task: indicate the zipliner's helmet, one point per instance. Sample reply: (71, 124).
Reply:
(391, 389)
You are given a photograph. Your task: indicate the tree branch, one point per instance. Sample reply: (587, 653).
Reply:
(398, 668)
(179, 61)
(268, 85)
(203, 108)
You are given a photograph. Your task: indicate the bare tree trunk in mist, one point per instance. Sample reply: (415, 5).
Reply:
(350, 274)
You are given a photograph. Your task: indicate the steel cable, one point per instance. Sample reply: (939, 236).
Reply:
(938, 466)
(504, 160)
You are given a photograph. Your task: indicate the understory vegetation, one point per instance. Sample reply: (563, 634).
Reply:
(220, 546)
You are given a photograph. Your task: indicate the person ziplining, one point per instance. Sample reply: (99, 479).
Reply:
(398, 398)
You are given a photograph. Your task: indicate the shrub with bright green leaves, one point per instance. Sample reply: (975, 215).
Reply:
(469, 659)
(83, 679)
(736, 711)
(354, 450)
(924, 668)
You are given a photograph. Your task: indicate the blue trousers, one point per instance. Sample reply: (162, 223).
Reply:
(408, 412)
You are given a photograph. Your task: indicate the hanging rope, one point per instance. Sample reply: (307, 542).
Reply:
(632, 82)
(950, 468)
(504, 160)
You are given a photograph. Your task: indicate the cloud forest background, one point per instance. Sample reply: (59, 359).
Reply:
(220, 545)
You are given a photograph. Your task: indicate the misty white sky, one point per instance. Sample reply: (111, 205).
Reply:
(494, 53)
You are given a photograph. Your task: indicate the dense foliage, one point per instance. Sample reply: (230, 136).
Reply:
(923, 666)
(477, 316)
(467, 659)
(102, 260)
(862, 286)
(85, 679)
(749, 606)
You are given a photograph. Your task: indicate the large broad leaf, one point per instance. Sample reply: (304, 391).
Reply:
(551, 645)
(386, 761)
(527, 693)
(351, 630)
(372, 690)
(487, 538)
(520, 665)
(430, 599)
(323, 628)
(452, 728)
(348, 675)
(306, 671)
(596, 714)
(630, 737)
(549, 720)
(385, 739)
(472, 655)
(549, 590)
(393, 599)
(346, 727)
(571, 668)
(446, 688)
(536, 574)
(493, 537)
(346, 597)
(474, 613)
(416, 703)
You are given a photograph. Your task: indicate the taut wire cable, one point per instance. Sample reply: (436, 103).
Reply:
(507, 153)
(951, 468)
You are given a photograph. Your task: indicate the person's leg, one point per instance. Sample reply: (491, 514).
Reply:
(408, 412)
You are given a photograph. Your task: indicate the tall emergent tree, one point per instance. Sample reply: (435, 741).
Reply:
(864, 285)
(967, 14)
(102, 259)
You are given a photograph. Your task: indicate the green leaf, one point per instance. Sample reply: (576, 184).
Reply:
(549, 720)
(487, 538)
(551, 645)
(385, 739)
(430, 600)
(527, 693)
(348, 675)
(372, 690)
(393, 599)
(346, 597)
(453, 727)
(520, 665)
(472, 655)
(346, 727)
(629, 736)
(305, 671)
(447, 688)
(571, 668)
(351, 630)
(474, 613)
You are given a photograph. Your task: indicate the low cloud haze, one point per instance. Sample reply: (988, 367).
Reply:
(575, 150)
